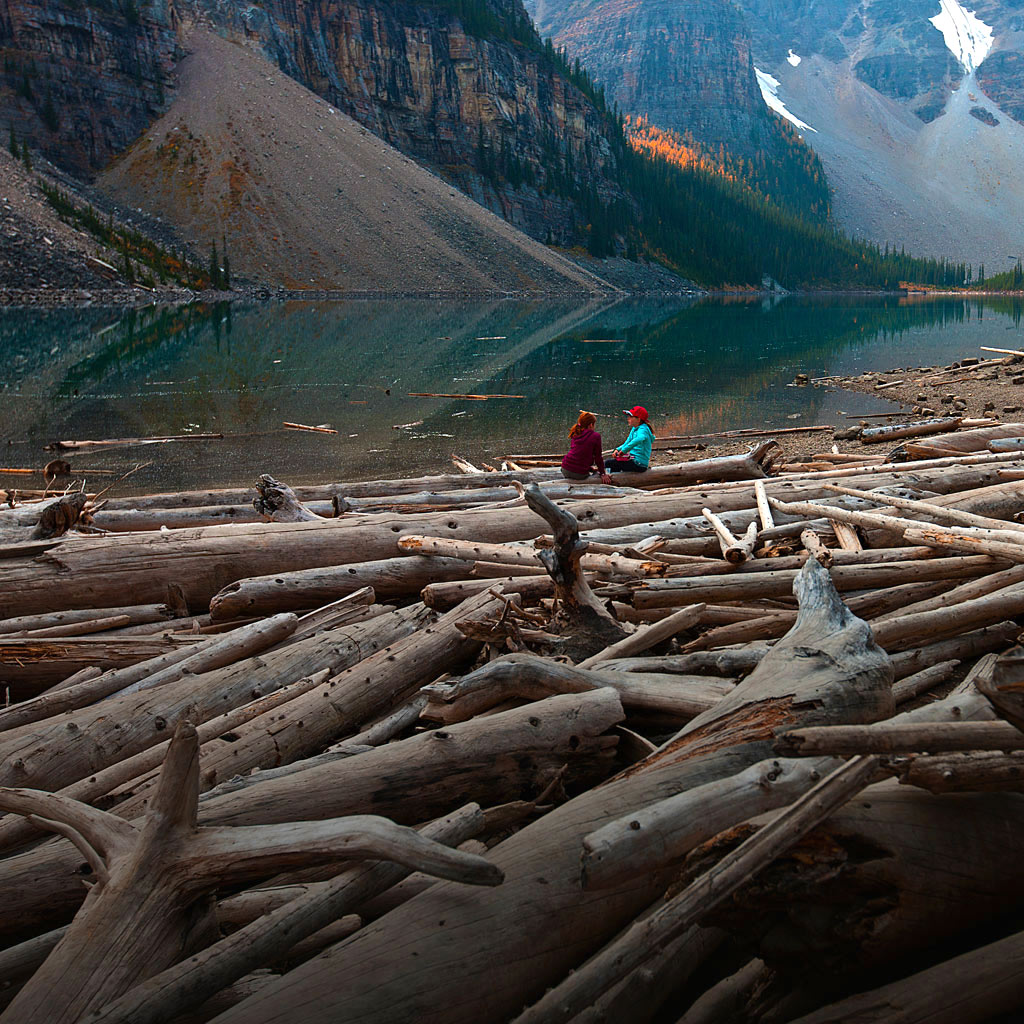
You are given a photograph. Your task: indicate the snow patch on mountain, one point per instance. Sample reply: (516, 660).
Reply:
(770, 91)
(967, 36)
(793, 58)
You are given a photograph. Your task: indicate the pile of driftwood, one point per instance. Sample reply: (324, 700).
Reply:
(713, 744)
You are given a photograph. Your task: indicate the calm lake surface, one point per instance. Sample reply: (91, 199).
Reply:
(242, 370)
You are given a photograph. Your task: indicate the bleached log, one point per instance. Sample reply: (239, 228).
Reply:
(309, 588)
(646, 638)
(919, 428)
(764, 510)
(138, 916)
(777, 583)
(815, 548)
(964, 592)
(921, 682)
(933, 510)
(13, 831)
(104, 571)
(505, 554)
(900, 738)
(997, 637)
(355, 607)
(529, 677)
(495, 758)
(208, 971)
(896, 632)
(681, 912)
(544, 924)
(355, 694)
(136, 613)
(979, 771)
(945, 539)
(192, 660)
(734, 550)
(727, 663)
(647, 838)
(54, 753)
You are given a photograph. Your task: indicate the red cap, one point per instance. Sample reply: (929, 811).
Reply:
(638, 411)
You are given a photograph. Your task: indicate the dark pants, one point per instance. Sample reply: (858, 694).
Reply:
(575, 476)
(625, 466)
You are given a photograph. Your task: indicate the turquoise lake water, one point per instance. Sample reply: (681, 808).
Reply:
(242, 370)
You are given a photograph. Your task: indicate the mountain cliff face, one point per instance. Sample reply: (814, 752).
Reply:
(683, 66)
(918, 107)
(893, 47)
(81, 79)
(461, 85)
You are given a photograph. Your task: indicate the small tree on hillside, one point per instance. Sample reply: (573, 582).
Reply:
(25, 158)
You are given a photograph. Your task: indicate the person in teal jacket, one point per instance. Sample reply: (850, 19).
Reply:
(634, 454)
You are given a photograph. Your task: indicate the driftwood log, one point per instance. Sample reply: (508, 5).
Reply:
(546, 924)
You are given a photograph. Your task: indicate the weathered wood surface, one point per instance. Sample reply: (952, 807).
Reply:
(309, 588)
(103, 571)
(148, 902)
(545, 924)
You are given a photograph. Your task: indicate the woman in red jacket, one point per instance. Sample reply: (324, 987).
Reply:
(584, 454)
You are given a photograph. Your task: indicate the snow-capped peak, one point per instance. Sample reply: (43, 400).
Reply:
(968, 38)
(770, 92)
(793, 58)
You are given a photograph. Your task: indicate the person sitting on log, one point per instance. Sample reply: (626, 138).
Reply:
(634, 454)
(584, 455)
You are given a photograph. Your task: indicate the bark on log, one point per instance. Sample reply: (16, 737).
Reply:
(544, 924)
(34, 665)
(974, 772)
(277, 501)
(41, 520)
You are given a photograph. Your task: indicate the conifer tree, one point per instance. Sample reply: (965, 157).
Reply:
(214, 266)
(226, 269)
(25, 158)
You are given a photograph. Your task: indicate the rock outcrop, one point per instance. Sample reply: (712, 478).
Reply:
(475, 96)
(686, 67)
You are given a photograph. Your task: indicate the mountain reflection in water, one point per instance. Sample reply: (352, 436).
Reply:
(242, 370)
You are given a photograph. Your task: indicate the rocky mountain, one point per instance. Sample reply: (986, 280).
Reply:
(300, 194)
(463, 86)
(917, 115)
(684, 67)
(915, 107)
